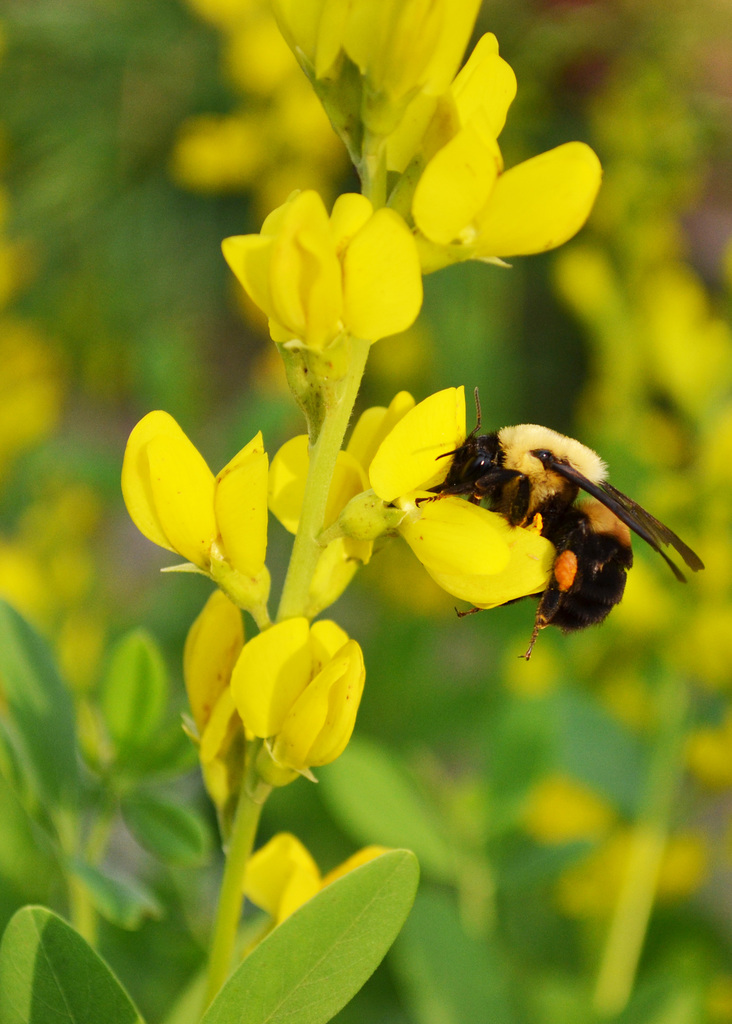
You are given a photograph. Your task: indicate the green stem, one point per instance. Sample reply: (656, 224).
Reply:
(306, 550)
(81, 911)
(231, 895)
(372, 170)
(629, 924)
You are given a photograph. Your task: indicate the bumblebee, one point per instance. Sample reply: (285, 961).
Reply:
(532, 475)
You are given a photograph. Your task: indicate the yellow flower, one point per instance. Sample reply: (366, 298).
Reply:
(591, 888)
(465, 206)
(317, 278)
(212, 646)
(219, 524)
(709, 754)
(561, 810)
(299, 687)
(31, 389)
(282, 874)
(470, 552)
(215, 152)
(400, 47)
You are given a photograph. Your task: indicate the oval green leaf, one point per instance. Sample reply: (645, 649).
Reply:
(175, 834)
(39, 722)
(48, 972)
(446, 974)
(123, 902)
(372, 796)
(312, 964)
(134, 691)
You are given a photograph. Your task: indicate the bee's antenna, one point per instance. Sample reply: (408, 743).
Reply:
(477, 410)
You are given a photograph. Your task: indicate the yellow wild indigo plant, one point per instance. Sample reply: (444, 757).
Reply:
(422, 135)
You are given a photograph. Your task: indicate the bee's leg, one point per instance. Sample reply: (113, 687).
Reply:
(564, 580)
(520, 500)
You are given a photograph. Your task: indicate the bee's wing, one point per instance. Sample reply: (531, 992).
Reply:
(635, 517)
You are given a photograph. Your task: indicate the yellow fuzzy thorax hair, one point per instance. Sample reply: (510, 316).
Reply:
(518, 442)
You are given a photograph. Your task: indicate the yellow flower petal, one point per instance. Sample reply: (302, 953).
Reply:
(408, 136)
(453, 536)
(456, 184)
(288, 476)
(349, 479)
(457, 26)
(326, 638)
(305, 273)
(350, 212)
(409, 457)
(222, 726)
(211, 649)
(270, 674)
(487, 84)
(527, 572)
(374, 424)
(136, 482)
(320, 722)
(240, 504)
(249, 257)
(274, 868)
(363, 856)
(540, 203)
(182, 488)
(382, 278)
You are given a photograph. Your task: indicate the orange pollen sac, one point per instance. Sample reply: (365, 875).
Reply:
(565, 570)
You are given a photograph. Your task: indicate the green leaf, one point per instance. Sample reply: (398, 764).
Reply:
(598, 750)
(175, 834)
(40, 724)
(372, 796)
(120, 901)
(50, 975)
(134, 692)
(449, 977)
(309, 967)
(28, 868)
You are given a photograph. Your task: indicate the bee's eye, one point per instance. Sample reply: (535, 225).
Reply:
(543, 455)
(481, 464)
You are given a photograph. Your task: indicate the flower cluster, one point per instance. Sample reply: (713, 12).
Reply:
(297, 686)
(423, 138)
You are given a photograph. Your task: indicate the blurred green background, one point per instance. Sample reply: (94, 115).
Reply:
(133, 138)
